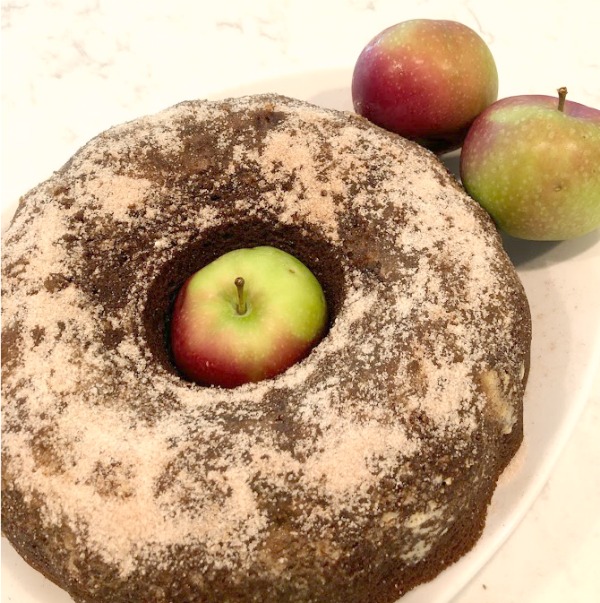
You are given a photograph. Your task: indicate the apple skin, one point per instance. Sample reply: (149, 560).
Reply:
(286, 315)
(426, 80)
(534, 168)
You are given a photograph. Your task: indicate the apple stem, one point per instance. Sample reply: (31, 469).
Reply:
(241, 305)
(562, 95)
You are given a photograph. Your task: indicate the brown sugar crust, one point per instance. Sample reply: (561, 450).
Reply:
(352, 477)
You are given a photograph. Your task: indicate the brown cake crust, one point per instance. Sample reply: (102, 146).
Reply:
(352, 477)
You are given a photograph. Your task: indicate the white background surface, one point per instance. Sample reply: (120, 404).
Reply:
(73, 68)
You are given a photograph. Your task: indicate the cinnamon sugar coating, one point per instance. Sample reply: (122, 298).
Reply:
(355, 475)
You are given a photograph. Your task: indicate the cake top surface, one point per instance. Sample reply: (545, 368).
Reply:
(424, 335)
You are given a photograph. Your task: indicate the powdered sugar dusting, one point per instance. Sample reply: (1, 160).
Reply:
(425, 353)
(119, 194)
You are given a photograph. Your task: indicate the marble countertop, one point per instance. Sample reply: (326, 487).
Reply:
(72, 68)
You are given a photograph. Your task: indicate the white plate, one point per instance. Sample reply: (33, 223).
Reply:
(562, 281)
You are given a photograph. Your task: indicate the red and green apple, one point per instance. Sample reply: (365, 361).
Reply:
(533, 162)
(248, 315)
(426, 80)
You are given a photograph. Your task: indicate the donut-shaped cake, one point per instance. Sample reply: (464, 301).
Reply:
(356, 474)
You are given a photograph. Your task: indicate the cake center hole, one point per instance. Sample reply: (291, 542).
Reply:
(309, 254)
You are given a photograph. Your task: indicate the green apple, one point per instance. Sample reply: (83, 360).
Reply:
(533, 162)
(426, 80)
(247, 316)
